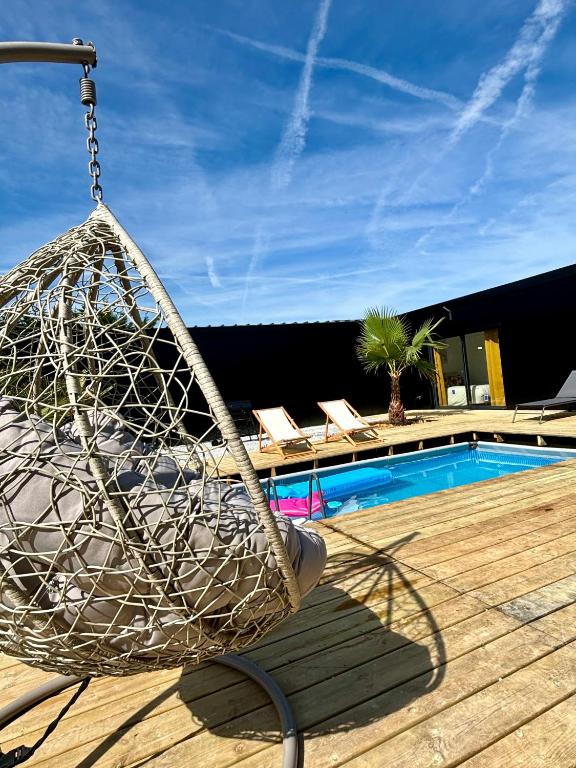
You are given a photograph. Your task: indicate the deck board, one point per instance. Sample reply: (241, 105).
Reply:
(463, 729)
(444, 632)
(545, 742)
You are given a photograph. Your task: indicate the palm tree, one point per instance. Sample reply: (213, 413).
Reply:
(386, 340)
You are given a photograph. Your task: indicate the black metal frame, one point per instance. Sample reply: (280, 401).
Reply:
(470, 405)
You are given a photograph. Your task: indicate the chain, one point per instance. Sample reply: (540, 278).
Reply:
(92, 146)
(88, 97)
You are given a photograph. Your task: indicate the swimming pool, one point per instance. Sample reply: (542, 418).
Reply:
(364, 484)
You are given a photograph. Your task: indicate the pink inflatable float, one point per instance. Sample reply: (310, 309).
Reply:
(297, 507)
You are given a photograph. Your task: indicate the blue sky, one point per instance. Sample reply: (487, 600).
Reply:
(299, 160)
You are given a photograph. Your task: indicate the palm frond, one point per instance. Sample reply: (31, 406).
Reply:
(422, 340)
(424, 336)
(426, 369)
(383, 338)
(386, 339)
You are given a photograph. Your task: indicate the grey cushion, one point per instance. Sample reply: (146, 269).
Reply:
(125, 452)
(202, 542)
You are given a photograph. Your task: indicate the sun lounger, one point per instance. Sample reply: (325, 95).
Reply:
(282, 431)
(566, 396)
(350, 425)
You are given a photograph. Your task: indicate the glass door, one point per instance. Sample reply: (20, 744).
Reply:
(470, 371)
(479, 393)
(451, 367)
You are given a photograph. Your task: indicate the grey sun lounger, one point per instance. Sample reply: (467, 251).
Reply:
(566, 396)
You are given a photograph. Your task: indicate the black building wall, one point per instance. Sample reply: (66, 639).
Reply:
(297, 364)
(535, 318)
(293, 365)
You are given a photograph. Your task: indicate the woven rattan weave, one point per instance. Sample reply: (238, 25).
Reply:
(120, 548)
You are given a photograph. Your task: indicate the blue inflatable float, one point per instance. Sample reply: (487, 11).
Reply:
(339, 485)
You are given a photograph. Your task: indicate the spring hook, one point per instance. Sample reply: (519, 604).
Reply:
(87, 92)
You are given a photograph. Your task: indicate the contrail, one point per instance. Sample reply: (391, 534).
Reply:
(398, 84)
(532, 57)
(258, 248)
(525, 54)
(278, 50)
(536, 33)
(380, 75)
(213, 276)
(526, 96)
(294, 137)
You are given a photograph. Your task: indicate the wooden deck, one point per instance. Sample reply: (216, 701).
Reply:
(443, 634)
(425, 428)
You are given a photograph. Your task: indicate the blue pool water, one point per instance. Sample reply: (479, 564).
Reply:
(347, 488)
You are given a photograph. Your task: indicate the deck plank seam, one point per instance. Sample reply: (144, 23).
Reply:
(505, 539)
(503, 557)
(498, 606)
(489, 743)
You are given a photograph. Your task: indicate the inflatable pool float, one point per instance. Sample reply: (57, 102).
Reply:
(298, 506)
(340, 485)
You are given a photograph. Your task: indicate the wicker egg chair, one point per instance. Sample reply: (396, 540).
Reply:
(96, 443)
(121, 550)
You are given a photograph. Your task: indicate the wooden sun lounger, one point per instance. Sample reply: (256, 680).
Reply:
(282, 431)
(347, 420)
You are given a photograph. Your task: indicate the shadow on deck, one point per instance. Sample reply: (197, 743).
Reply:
(335, 654)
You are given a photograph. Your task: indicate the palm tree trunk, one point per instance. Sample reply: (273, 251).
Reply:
(396, 414)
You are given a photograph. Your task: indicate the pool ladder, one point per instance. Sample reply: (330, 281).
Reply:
(271, 490)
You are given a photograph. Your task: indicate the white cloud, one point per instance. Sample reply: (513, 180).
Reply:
(188, 168)
(398, 126)
(293, 140)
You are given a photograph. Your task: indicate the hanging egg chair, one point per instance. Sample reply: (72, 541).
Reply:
(121, 549)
